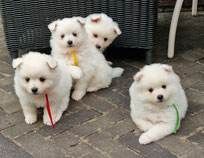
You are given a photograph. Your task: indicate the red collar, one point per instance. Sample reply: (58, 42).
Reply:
(48, 110)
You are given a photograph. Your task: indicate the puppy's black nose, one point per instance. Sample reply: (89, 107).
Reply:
(34, 90)
(98, 47)
(160, 97)
(69, 42)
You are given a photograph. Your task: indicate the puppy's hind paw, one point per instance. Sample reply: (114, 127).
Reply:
(92, 89)
(30, 119)
(109, 63)
(145, 139)
(77, 95)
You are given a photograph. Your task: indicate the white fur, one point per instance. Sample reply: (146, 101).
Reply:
(97, 73)
(156, 119)
(57, 86)
(105, 27)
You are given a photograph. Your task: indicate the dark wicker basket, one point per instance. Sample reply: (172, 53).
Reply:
(25, 21)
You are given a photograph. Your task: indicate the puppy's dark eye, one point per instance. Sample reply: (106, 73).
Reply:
(27, 79)
(74, 34)
(95, 35)
(42, 79)
(164, 86)
(62, 36)
(151, 90)
(105, 39)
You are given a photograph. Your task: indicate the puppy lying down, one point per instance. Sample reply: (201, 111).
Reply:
(158, 102)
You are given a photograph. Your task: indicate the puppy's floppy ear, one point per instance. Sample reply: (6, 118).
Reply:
(138, 76)
(16, 63)
(52, 62)
(95, 18)
(81, 20)
(117, 30)
(53, 26)
(167, 68)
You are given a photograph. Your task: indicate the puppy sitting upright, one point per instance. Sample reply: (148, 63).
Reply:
(71, 43)
(102, 30)
(158, 102)
(37, 75)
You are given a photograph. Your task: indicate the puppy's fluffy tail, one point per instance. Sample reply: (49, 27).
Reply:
(117, 72)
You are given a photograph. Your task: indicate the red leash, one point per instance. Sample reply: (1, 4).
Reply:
(48, 110)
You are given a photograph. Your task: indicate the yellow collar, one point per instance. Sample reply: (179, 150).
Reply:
(75, 58)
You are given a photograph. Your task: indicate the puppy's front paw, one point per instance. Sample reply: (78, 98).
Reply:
(76, 72)
(47, 121)
(30, 119)
(77, 95)
(145, 139)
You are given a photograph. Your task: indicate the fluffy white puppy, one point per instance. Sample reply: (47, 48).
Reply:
(39, 74)
(69, 35)
(156, 88)
(102, 30)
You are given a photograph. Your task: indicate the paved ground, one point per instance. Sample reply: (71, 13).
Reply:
(99, 126)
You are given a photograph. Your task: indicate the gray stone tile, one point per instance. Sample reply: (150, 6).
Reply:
(68, 122)
(99, 123)
(119, 129)
(181, 147)
(125, 152)
(1, 76)
(194, 54)
(129, 70)
(8, 149)
(199, 67)
(194, 96)
(199, 87)
(10, 120)
(6, 69)
(190, 124)
(194, 108)
(103, 143)
(97, 103)
(197, 153)
(34, 143)
(93, 155)
(121, 84)
(192, 79)
(10, 103)
(114, 98)
(20, 129)
(2, 113)
(6, 59)
(151, 150)
(187, 127)
(73, 146)
(201, 61)
(74, 106)
(198, 138)
(65, 140)
(110, 147)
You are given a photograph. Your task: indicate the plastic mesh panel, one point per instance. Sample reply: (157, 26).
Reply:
(25, 21)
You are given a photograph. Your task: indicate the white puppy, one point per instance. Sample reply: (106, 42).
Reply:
(156, 88)
(39, 74)
(69, 35)
(102, 30)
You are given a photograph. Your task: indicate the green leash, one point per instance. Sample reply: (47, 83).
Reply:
(177, 118)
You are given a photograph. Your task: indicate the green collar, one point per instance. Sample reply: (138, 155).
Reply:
(177, 118)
